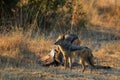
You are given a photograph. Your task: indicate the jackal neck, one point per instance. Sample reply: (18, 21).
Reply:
(65, 46)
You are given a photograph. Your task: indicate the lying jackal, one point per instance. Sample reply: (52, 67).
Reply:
(67, 49)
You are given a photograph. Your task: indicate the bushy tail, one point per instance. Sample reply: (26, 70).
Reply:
(91, 62)
(90, 58)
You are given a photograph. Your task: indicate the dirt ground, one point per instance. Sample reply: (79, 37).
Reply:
(38, 72)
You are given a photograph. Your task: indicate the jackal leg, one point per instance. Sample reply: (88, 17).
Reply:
(70, 63)
(83, 65)
(91, 63)
(65, 61)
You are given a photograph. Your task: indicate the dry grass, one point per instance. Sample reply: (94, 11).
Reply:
(18, 48)
(108, 54)
(103, 12)
(20, 55)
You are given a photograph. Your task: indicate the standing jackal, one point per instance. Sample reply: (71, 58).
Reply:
(67, 49)
(85, 56)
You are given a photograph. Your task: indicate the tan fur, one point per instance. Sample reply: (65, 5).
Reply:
(66, 52)
(85, 56)
(58, 56)
(67, 57)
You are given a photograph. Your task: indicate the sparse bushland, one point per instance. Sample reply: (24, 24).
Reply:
(53, 15)
(29, 33)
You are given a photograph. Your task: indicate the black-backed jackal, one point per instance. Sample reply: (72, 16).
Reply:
(67, 49)
(61, 42)
(85, 56)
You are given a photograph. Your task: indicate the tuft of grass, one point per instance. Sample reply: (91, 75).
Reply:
(110, 48)
(17, 49)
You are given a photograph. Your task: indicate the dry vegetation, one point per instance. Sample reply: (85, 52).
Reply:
(103, 13)
(18, 46)
(20, 57)
(21, 51)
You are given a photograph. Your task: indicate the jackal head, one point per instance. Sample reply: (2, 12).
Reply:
(71, 38)
(60, 40)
